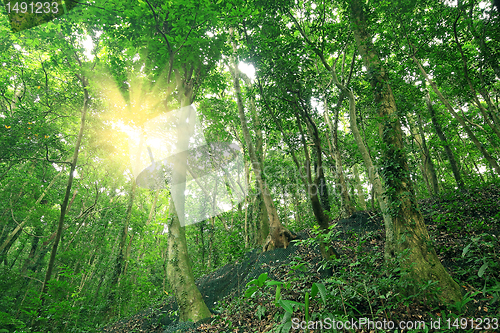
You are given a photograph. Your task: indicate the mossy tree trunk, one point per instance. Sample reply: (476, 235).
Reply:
(180, 275)
(408, 228)
(179, 272)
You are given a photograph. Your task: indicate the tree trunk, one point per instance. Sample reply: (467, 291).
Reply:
(409, 231)
(179, 272)
(285, 208)
(121, 258)
(9, 239)
(279, 236)
(247, 206)
(311, 188)
(470, 134)
(64, 204)
(377, 189)
(359, 187)
(247, 233)
(212, 260)
(298, 218)
(427, 164)
(263, 221)
(320, 180)
(372, 173)
(475, 99)
(202, 239)
(347, 209)
(449, 153)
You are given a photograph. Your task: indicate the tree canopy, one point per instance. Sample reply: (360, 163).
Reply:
(336, 108)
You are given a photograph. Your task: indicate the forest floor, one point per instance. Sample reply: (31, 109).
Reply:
(466, 230)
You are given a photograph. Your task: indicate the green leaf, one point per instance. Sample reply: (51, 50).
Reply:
(306, 303)
(466, 249)
(273, 283)
(286, 321)
(288, 306)
(322, 291)
(480, 273)
(250, 291)
(251, 282)
(278, 295)
(262, 278)
(286, 327)
(314, 290)
(261, 311)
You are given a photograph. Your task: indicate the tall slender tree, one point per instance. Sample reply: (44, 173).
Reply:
(408, 231)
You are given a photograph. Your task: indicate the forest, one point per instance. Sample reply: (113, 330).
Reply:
(249, 166)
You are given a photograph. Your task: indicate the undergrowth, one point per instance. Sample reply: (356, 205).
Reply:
(364, 288)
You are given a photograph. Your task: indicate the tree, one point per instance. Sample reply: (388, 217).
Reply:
(279, 236)
(449, 153)
(85, 105)
(408, 231)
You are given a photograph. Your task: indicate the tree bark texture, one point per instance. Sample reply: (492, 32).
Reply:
(409, 231)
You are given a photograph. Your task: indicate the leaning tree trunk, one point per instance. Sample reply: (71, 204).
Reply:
(409, 231)
(377, 189)
(449, 153)
(279, 236)
(466, 128)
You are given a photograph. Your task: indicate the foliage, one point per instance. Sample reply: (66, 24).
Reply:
(139, 57)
